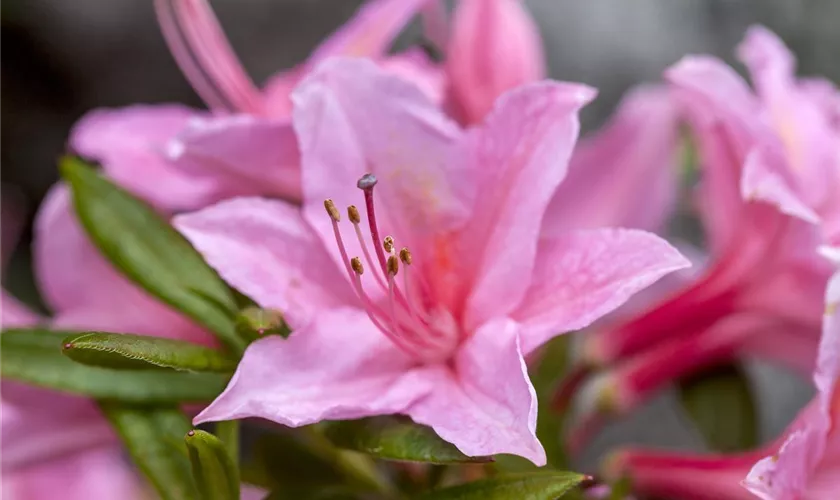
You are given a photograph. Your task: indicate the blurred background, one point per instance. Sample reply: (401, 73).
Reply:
(61, 59)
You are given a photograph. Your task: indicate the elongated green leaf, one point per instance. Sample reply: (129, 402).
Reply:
(154, 437)
(722, 405)
(144, 247)
(126, 351)
(546, 485)
(34, 357)
(215, 474)
(396, 438)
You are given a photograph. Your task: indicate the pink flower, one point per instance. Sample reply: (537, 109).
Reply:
(769, 196)
(803, 464)
(437, 332)
(180, 158)
(54, 445)
(494, 46)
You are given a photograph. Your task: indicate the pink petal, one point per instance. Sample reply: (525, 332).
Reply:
(414, 65)
(800, 118)
(760, 181)
(338, 367)
(264, 249)
(239, 155)
(39, 425)
(487, 405)
(370, 32)
(495, 46)
(722, 110)
(584, 275)
(346, 129)
(130, 143)
(636, 152)
(96, 474)
(519, 158)
(199, 45)
(13, 314)
(85, 291)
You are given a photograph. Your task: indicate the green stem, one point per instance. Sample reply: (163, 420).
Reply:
(228, 432)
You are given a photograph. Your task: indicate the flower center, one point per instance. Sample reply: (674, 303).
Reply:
(430, 335)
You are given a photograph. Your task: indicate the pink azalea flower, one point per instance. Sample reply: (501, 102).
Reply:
(437, 332)
(803, 464)
(180, 158)
(54, 445)
(770, 194)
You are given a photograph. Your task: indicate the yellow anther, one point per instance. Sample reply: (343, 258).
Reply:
(331, 210)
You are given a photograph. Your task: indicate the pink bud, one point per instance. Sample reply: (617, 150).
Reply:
(495, 46)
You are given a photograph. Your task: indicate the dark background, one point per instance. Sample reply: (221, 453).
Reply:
(61, 58)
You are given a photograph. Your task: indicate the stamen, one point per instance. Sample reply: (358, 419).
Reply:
(356, 264)
(393, 265)
(370, 308)
(405, 256)
(353, 214)
(388, 244)
(331, 210)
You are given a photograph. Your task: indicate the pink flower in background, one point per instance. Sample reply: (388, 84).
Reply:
(803, 464)
(179, 158)
(494, 47)
(437, 332)
(54, 445)
(768, 198)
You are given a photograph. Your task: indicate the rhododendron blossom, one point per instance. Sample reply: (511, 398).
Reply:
(768, 197)
(425, 298)
(803, 464)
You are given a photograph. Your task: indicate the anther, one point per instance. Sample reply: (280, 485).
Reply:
(405, 256)
(366, 182)
(356, 264)
(331, 210)
(388, 244)
(393, 265)
(353, 214)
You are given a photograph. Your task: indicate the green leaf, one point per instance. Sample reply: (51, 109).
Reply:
(154, 437)
(127, 351)
(544, 485)
(144, 247)
(396, 438)
(294, 461)
(722, 405)
(34, 357)
(214, 471)
(254, 322)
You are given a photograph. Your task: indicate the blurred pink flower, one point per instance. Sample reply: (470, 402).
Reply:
(769, 196)
(438, 332)
(803, 464)
(54, 445)
(494, 46)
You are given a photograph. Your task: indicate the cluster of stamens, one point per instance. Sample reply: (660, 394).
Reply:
(402, 319)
